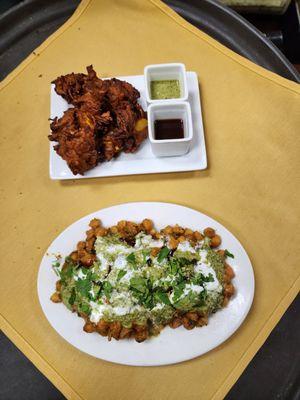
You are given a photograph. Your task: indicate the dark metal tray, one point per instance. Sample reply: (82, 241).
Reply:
(274, 371)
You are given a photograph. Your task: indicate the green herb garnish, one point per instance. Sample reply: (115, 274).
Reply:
(174, 266)
(162, 297)
(228, 254)
(121, 273)
(83, 286)
(139, 284)
(84, 308)
(67, 272)
(107, 288)
(178, 291)
(131, 259)
(72, 297)
(163, 254)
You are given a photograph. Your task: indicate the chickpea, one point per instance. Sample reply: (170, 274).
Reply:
(56, 298)
(168, 230)
(178, 230)
(81, 245)
(95, 223)
(192, 316)
(87, 260)
(115, 329)
(173, 243)
(155, 330)
(197, 235)
(188, 323)
(74, 256)
(130, 229)
(141, 333)
(221, 253)
(225, 301)
(90, 244)
(89, 327)
(229, 290)
(121, 224)
(147, 224)
(202, 321)
(125, 333)
(229, 271)
(155, 235)
(209, 232)
(58, 286)
(100, 232)
(155, 251)
(102, 327)
(90, 233)
(188, 232)
(113, 230)
(190, 238)
(215, 241)
(81, 253)
(181, 239)
(175, 323)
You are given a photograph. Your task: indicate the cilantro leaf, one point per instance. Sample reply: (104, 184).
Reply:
(139, 284)
(162, 297)
(228, 254)
(72, 297)
(107, 288)
(178, 291)
(163, 254)
(141, 289)
(208, 278)
(84, 308)
(199, 280)
(83, 286)
(55, 267)
(174, 266)
(147, 301)
(66, 272)
(121, 273)
(131, 259)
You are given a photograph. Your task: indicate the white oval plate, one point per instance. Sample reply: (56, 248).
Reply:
(171, 346)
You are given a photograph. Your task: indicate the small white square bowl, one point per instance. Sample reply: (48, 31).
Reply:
(160, 72)
(170, 110)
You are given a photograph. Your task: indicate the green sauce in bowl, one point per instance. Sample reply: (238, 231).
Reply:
(165, 89)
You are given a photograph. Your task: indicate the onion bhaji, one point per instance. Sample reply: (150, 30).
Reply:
(105, 120)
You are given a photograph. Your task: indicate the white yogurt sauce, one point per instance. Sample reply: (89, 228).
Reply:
(205, 270)
(186, 246)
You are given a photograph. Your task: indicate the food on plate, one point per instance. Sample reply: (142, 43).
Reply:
(105, 120)
(130, 280)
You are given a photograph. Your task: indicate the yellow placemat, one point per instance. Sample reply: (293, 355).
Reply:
(252, 127)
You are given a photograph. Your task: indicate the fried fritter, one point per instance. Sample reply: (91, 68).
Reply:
(75, 134)
(106, 120)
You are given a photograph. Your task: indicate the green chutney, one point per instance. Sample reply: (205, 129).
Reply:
(167, 89)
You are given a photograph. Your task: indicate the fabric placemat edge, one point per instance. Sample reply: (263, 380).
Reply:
(258, 341)
(29, 59)
(263, 72)
(275, 78)
(68, 391)
(40, 363)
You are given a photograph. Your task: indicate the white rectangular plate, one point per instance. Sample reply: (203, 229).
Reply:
(143, 161)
